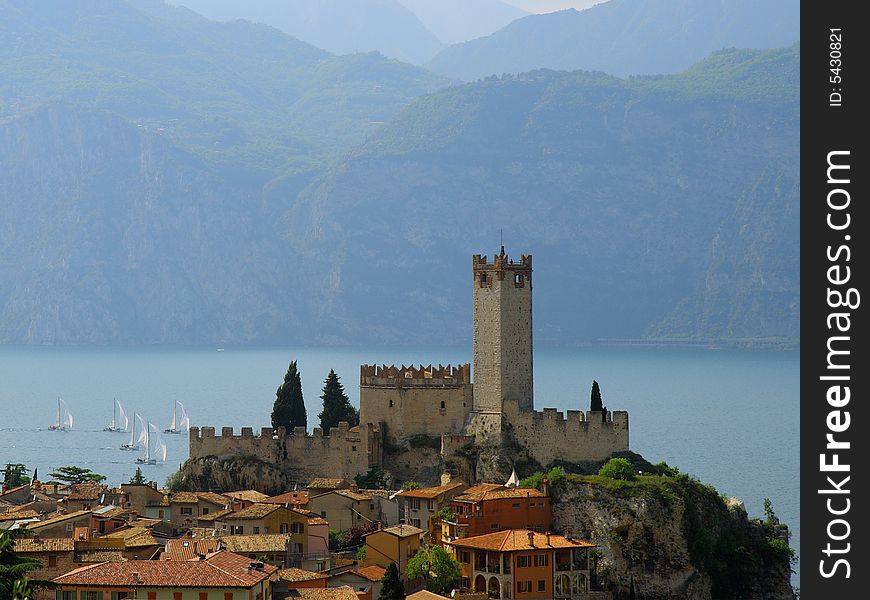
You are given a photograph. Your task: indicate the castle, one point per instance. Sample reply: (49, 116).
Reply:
(442, 403)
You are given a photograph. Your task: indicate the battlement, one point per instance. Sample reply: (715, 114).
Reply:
(343, 430)
(411, 376)
(501, 262)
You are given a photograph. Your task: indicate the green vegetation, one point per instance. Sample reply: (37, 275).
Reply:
(138, 478)
(175, 482)
(361, 554)
(14, 568)
(15, 475)
(618, 468)
(596, 404)
(336, 405)
(391, 585)
(436, 567)
(446, 514)
(536, 480)
(289, 408)
(374, 479)
(72, 475)
(411, 485)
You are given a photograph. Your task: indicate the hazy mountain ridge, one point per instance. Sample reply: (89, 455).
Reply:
(624, 37)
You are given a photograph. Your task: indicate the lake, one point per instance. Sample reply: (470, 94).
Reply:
(728, 417)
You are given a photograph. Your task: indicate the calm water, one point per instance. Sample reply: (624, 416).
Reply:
(728, 417)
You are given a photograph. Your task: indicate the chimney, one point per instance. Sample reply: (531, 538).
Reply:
(532, 539)
(445, 478)
(545, 486)
(548, 538)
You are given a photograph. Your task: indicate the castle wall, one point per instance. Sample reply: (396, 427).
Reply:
(416, 401)
(502, 332)
(551, 435)
(344, 452)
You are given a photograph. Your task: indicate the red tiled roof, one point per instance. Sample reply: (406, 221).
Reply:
(340, 593)
(328, 483)
(401, 531)
(87, 491)
(425, 595)
(187, 548)
(372, 572)
(512, 540)
(28, 545)
(431, 492)
(222, 569)
(294, 574)
(249, 495)
(473, 495)
(297, 498)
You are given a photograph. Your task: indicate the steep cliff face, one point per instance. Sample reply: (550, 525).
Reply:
(673, 537)
(232, 473)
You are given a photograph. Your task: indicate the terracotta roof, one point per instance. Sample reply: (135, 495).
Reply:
(372, 573)
(187, 548)
(134, 537)
(512, 540)
(13, 490)
(327, 483)
(340, 593)
(44, 545)
(401, 531)
(380, 493)
(471, 495)
(298, 498)
(425, 595)
(60, 518)
(13, 515)
(249, 495)
(356, 496)
(222, 569)
(431, 492)
(183, 498)
(317, 521)
(213, 516)
(110, 512)
(98, 556)
(214, 498)
(255, 511)
(271, 542)
(87, 491)
(300, 575)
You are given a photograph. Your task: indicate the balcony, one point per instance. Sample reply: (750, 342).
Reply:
(493, 568)
(564, 566)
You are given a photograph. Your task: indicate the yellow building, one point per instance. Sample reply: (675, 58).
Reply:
(261, 519)
(344, 509)
(395, 544)
(220, 576)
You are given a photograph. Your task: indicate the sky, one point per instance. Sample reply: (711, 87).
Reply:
(543, 6)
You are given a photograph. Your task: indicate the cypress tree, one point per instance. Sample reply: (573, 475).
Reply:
(138, 478)
(289, 408)
(391, 585)
(596, 404)
(336, 404)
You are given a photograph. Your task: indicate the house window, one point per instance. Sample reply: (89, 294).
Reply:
(494, 526)
(186, 510)
(430, 505)
(296, 528)
(256, 530)
(93, 595)
(465, 583)
(442, 404)
(176, 595)
(323, 514)
(152, 595)
(464, 556)
(524, 586)
(68, 596)
(203, 596)
(523, 560)
(391, 404)
(415, 522)
(285, 528)
(542, 560)
(160, 514)
(517, 505)
(542, 585)
(228, 596)
(52, 560)
(205, 510)
(69, 526)
(415, 504)
(371, 506)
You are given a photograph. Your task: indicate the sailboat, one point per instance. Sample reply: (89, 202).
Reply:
(119, 418)
(179, 425)
(134, 442)
(64, 419)
(154, 446)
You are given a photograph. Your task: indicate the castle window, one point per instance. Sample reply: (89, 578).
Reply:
(518, 279)
(483, 280)
(442, 404)
(353, 448)
(391, 404)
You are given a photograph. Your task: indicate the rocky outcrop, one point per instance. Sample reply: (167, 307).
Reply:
(673, 537)
(230, 474)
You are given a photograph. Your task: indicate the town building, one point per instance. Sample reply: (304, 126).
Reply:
(396, 544)
(418, 507)
(365, 581)
(267, 519)
(487, 507)
(344, 508)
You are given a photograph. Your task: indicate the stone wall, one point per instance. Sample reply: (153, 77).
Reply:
(344, 452)
(416, 401)
(551, 435)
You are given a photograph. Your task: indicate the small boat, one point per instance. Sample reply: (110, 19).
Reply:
(154, 446)
(134, 442)
(119, 418)
(64, 419)
(179, 425)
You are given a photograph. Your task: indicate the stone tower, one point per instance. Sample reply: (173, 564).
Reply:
(502, 332)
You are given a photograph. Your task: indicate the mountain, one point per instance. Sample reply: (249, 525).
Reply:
(655, 206)
(455, 21)
(624, 37)
(339, 26)
(244, 96)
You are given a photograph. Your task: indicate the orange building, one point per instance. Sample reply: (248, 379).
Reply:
(487, 507)
(524, 565)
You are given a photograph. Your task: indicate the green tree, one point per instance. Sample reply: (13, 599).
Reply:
(391, 585)
(336, 405)
(138, 478)
(73, 475)
(618, 468)
(375, 479)
(596, 403)
(14, 568)
(770, 518)
(289, 408)
(411, 485)
(14, 475)
(438, 569)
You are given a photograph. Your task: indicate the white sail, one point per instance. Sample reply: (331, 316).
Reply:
(123, 421)
(143, 431)
(69, 420)
(172, 427)
(184, 422)
(64, 416)
(157, 443)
